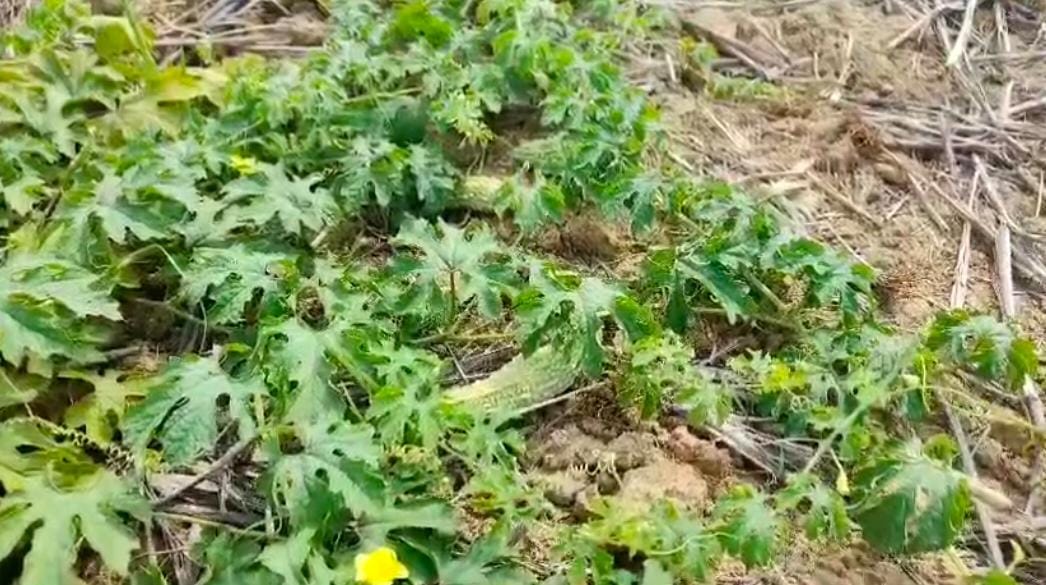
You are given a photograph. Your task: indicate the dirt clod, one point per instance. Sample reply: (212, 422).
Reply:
(569, 447)
(562, 487)
(685, 447)
(631, 450)
(643, 487)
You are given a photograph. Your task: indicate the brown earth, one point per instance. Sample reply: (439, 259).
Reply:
(812, 145)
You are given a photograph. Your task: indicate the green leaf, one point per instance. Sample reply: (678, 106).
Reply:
(273, 195)
(181, 84)
(296, 356)
(661, 272)
(43, 303)
(407, 414)
(229, 560)
(101, 411)
(150, 575)
(46, 115)
(414, 20)
(286, 559)
(655, 574)
(22, 194)
(57, 518)
(992, 577)
(659, 366)
(373, 168)
(408, 408)
(823, 509)
(434, 176)
(990, 348)
(375, 527)
(748, 526)
(118, 208)
(461, 267)
(19, 388)
(636, 319)
(661, 369)
(115, 36)
(640, 195)
(480, 564)
(180, 409)
(27, 451)
(57, 281)
(335, 455)
(731, 295)
(232, 278)
(561, 307)
(911, 504)
(498, 489)
(533, 202)
(675, 539)
(832, 277)
(462, 111)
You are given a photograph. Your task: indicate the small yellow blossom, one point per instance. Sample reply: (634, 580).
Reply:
(379, 567)
(245, 165)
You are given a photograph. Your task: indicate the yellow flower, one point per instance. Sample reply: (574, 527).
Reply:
(245, 165)
(379, 567)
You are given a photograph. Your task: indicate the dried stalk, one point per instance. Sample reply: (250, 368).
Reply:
(962, 258)
(1030, 267)
(1002, 28)
(958, 294)
(221, 463)
(1025, 107)
(1004, 271)
(842, 199)
(992, 191)
(920, 24)
(924, 200)
(959, 48)
(730, 47)
(983, 514)
(1033, 402)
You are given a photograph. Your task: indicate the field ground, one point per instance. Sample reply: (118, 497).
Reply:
(909, 135)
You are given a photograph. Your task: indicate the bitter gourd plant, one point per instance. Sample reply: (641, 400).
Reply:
(262, 272)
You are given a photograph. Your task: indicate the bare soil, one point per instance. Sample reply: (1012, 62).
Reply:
(812, 145)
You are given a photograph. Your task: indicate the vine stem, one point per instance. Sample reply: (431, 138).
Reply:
(179, 313)
(826, 445)
(863, 406)
(453, 295)
(767, 319)
(140, 252)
